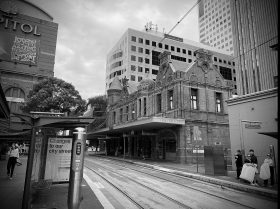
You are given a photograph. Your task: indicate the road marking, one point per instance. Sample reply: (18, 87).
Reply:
(98, 185)
(103, 200)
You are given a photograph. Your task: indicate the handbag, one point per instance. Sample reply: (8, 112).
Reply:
(18, 162)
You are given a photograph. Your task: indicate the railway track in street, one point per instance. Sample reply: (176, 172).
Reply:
(133, 200)
(235, 203)
(180, 184)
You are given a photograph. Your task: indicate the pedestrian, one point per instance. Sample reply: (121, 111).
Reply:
(249, 170)
(13, 156)
(247, 159)
(265, 172)
(270, 164)
(238, 163)
(254, 161)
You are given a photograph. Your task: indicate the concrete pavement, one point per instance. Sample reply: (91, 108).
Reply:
(11, 192)
(186, 170)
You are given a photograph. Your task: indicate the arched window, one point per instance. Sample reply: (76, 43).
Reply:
(15, 97)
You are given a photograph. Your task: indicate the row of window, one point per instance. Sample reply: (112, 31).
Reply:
(194, 99)
(156, 59)
(224, 61)
(115, 56)
(216, 29)
(140, 69)
(160, 45)
(116, 64)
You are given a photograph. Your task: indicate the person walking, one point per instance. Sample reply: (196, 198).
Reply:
(238, 163)
(13, 156)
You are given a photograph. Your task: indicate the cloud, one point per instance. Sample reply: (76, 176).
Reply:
(88, 29)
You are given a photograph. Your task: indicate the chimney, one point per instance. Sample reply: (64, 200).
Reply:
(164, 57)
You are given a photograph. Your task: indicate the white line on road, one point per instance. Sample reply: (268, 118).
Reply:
(103, 200)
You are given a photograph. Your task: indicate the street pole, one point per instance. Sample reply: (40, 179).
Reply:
(242, 141)
(76, 169)
(28, 174)
(124, 147)
(197, 159)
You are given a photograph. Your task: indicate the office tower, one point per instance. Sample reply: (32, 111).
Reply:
(135, 56)
(255, 32)
(215, 24)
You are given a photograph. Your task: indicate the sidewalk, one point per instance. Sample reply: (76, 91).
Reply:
(229, 181)
(11, 192)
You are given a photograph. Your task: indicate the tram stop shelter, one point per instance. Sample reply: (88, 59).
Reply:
(50, 155)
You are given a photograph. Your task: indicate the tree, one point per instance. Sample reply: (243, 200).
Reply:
(54, 94)
(99, 103)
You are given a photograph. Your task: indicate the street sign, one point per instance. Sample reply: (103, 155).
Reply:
(253, 125)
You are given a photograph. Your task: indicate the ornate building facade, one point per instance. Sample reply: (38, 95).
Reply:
(171, 118)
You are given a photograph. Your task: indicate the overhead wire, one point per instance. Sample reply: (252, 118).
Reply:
(178, 22)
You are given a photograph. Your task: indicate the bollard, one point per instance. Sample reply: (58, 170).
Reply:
(76, 168)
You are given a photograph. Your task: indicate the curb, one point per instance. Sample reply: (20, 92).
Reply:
(224, 183)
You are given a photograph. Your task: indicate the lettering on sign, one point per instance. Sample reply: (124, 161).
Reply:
(253, 125)
(58, 159)
(24, 27)
(168, 120)
(173, 37)
(198, 151)
(24, 50)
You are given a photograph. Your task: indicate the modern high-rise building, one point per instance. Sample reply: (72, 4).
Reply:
(135, 56)
(215, 24)
(253, 115)
(255, 30)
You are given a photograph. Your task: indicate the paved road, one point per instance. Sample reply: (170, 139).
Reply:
(124, 185)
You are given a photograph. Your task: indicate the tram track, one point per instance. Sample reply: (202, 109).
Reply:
(116, 187)
(124, 165)
(155, 191)
(182, 205)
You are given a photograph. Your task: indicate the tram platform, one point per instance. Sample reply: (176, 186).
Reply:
(11, 192)
(197, 172)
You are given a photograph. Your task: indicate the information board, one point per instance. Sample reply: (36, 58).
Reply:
(58, 159)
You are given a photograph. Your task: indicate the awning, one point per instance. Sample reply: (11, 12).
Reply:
(272, 134)
(20, 135)
(141, 124)
(62, 122)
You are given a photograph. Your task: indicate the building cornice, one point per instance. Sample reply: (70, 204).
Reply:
(253, 96)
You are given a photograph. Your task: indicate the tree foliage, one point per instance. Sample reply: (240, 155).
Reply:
(54, 94)
(99, 103)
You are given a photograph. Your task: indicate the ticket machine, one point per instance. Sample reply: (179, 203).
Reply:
(76, 169)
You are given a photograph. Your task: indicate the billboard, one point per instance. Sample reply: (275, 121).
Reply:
(58, 159)
(17, 48)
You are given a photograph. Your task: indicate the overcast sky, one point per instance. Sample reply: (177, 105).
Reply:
(88, 29)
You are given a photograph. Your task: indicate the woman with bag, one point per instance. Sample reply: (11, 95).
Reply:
(267, 171)
(13, 157)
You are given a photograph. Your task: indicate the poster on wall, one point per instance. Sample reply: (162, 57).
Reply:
(58, 159)
(18, 49)
(36, 159)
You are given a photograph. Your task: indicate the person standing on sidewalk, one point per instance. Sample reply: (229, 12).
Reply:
(13, 156)
(254, 161)
(238, 163)
(269, 161)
